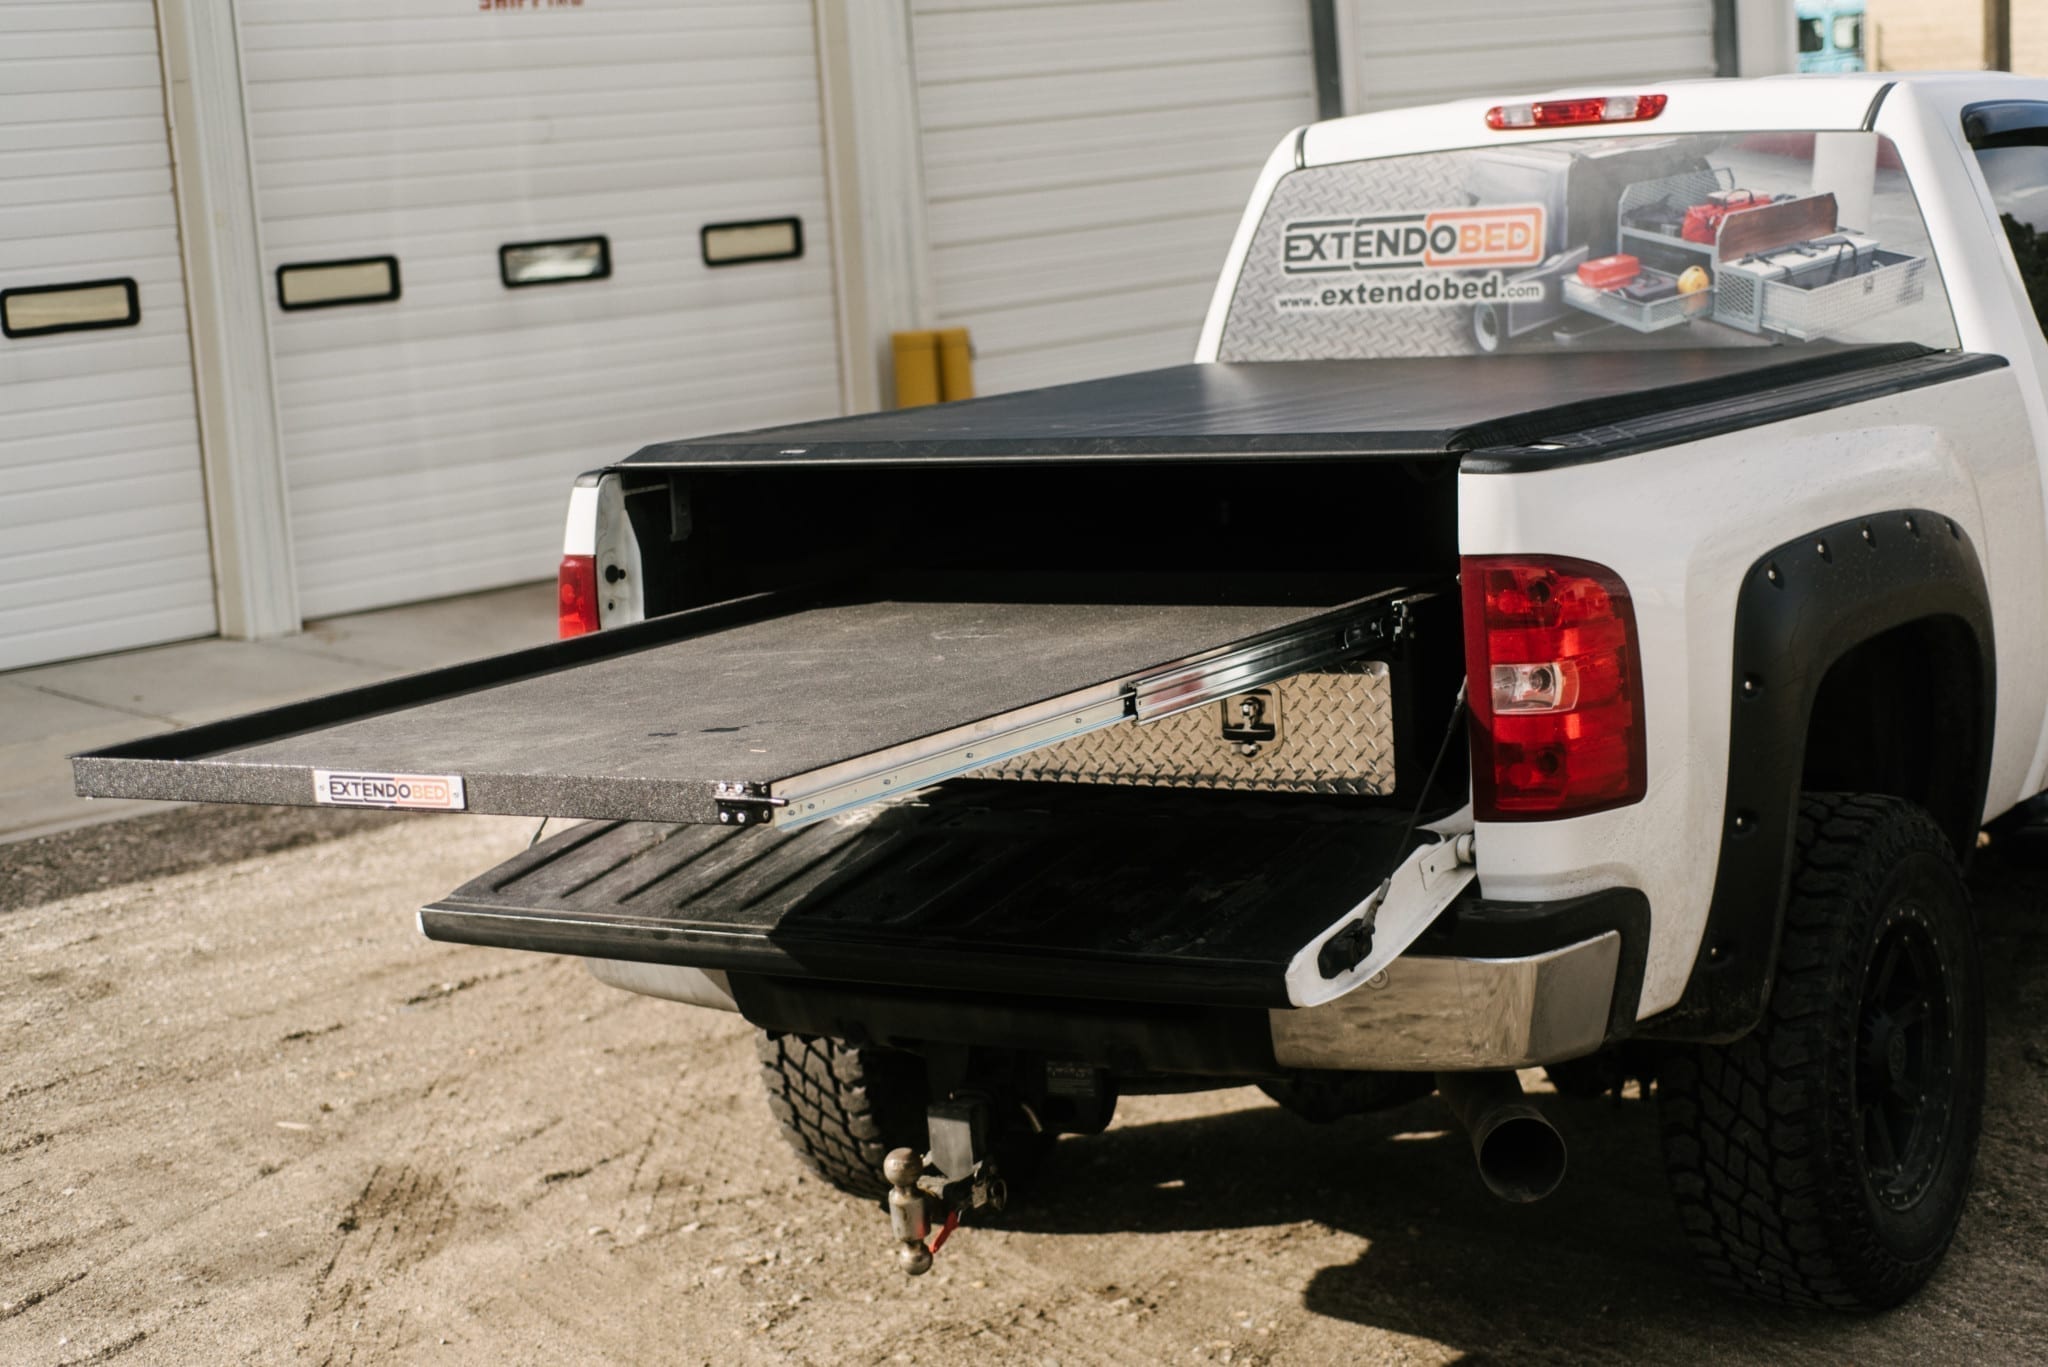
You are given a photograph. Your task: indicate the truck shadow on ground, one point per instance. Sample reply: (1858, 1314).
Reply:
(1598, 1271)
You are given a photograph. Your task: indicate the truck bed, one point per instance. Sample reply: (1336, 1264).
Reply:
(1309, 410)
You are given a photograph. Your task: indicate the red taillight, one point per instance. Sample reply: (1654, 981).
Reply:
(576, 595)
(1565, 113)
(1554, 679)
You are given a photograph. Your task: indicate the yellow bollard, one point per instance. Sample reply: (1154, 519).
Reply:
(917, 368)
(956, 365)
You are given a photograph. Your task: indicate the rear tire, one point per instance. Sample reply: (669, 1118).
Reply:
(843, 1108)
(1824, 1159)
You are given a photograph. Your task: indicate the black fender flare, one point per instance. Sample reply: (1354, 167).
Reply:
(1801, 608)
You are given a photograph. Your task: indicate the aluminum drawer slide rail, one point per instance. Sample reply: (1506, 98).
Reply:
(1352, 630)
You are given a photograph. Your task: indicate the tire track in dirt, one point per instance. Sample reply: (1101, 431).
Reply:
(400, 1218)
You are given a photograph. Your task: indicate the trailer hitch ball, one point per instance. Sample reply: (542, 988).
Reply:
(908, 1216)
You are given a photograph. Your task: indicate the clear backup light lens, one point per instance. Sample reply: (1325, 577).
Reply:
(1554, 682)
(1551, 687)
(1511, 116)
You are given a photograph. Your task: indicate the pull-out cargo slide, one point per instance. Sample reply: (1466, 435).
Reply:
(1162, 800)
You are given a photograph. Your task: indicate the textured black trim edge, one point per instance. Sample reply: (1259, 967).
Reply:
(133, 317)
(290, 266)
(796, 227)
(604, 261)
(1835, 382)
(1476, 927)
(1802, 607)
(853, 962)
(1876, 103)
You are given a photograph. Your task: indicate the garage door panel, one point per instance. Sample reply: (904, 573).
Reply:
(136, 130)
(77, 161)
(1229, 143)
(1085, 167)
(1033, 213)
(1489, 47)
(66, 105)
(426, 61)
(623, 341)
(18, 222)
(88, 187)
(1052, 363)
(447, 327)
(474, 155)
(1192, 85)
(430, 441)
(119, 72)
(735, 74)
(158, 612)
(1159, 260)
(103, 536)
(75, 41)
(344, 455)
(515, 399)
(656, 207)
(743, 175)
(1155, 35)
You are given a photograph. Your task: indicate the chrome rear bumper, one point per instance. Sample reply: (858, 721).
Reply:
(1442, 1013)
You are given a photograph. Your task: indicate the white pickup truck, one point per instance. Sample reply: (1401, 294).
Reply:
(1674, 455)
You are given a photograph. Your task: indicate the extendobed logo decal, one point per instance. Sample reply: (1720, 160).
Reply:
(426, 792)
(1409, 256)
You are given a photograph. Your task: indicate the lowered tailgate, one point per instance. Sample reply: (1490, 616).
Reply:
(780, 709)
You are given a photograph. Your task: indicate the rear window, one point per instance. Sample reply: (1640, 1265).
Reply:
(1706, 240)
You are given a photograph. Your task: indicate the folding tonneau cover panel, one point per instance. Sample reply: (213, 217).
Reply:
(1405, 409)
(780, 709)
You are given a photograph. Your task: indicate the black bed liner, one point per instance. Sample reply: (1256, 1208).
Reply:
(1135, 896)
(1407, 408)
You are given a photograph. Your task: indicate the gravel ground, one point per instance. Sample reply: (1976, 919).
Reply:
(249, 1115)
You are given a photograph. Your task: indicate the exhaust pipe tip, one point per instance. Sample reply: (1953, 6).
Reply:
(1521, 1155)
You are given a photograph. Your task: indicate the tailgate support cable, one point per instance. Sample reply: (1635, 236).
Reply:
(1354, 942)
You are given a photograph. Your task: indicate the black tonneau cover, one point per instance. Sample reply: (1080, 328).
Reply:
(1426, 406)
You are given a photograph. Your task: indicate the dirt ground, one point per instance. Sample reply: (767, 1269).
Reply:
(248, 1114)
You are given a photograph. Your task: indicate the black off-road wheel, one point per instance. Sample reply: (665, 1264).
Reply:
(843, 1108)
(1824, 1159)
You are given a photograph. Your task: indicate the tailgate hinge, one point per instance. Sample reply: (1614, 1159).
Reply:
(744, 804)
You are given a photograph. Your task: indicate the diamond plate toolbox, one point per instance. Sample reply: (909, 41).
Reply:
(1329, 732)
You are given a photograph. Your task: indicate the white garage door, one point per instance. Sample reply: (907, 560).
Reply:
(430, 440)
(103, 539)
(1086, 164)
(1422, 54)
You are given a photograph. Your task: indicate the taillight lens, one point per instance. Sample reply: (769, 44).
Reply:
(1554, 680)
(1566, 113)
(576, 595)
